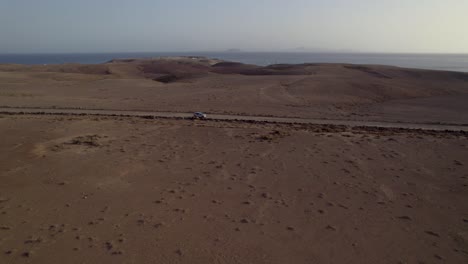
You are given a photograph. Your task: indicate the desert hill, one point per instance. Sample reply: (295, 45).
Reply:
(197, 83)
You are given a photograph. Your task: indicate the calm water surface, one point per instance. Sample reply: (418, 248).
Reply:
(452, 62)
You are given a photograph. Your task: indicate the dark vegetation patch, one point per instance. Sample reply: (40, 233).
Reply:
(228, 64)
(232, 68)
(173, 68)
(461, 76)
(88, 140)
(253, 70)
(368, 70)
(272, 136)
(169, 78)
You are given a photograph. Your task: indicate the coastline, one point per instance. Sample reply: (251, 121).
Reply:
(447, 62)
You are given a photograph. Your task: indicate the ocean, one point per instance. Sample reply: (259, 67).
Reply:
(446, 62)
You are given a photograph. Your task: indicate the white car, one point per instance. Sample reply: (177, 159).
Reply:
(199, 115)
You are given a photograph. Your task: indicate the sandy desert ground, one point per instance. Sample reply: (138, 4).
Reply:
(88, 189)
(185, 85)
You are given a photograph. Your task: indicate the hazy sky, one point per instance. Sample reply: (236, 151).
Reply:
(34, 26)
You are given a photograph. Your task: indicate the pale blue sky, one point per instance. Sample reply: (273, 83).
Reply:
(35, 26)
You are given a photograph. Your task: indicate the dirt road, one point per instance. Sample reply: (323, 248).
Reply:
(352, 123)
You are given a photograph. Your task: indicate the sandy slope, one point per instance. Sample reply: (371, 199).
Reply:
(309, 90)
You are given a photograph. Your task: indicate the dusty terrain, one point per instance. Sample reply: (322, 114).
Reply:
(108, 189)
(186, 85)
